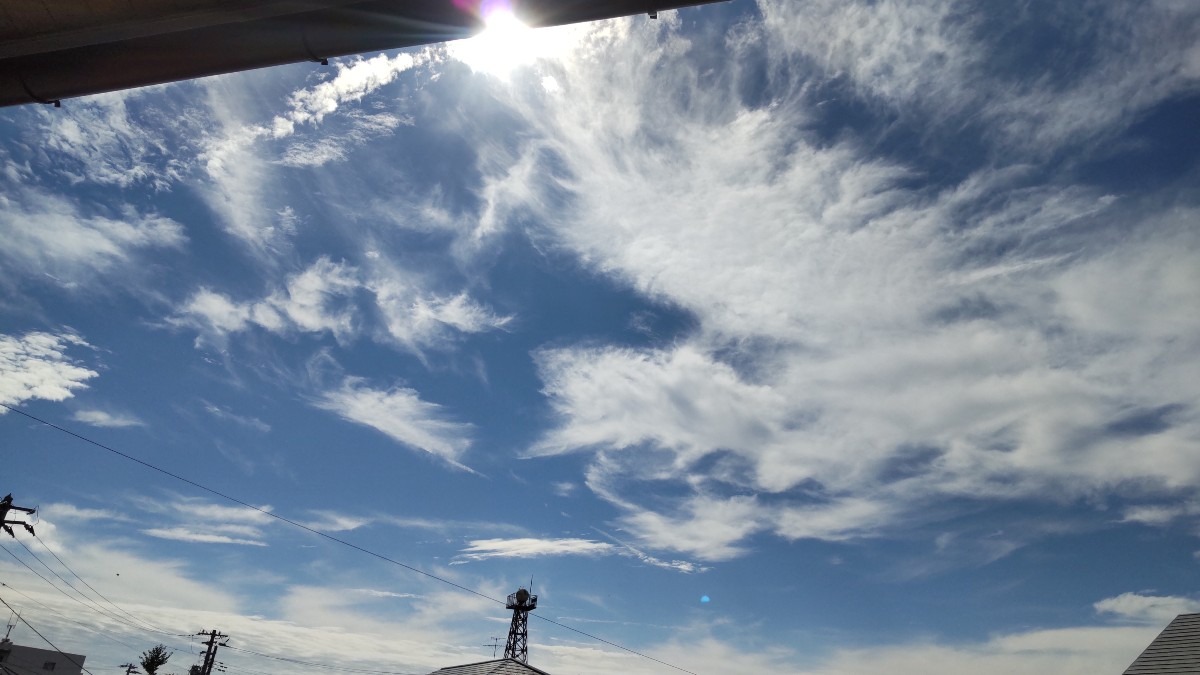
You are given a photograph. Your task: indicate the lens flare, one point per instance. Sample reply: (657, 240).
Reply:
(506, 43)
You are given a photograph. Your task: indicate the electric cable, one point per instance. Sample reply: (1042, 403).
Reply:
(44, 638)
(145, 625)
(327, 536)
(93, 607)
(64, 617)
(138, 619)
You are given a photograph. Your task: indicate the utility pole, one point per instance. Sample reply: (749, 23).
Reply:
(6, 506)
(130, 669)
(210, 654)
(495, 645)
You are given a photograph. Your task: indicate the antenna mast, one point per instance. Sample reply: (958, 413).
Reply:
(521, 603)
(12, 623)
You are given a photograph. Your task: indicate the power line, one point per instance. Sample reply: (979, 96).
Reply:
(78, 623)
(327, 536)
(143, 624)
(93, 607)
(62, 562)
(47, 640)
(64, 617)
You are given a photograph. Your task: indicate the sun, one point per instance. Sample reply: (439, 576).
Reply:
(506, 43)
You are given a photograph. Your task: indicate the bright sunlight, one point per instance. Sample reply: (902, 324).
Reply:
(506, 43)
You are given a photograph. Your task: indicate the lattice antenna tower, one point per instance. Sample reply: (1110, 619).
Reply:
(521, 603)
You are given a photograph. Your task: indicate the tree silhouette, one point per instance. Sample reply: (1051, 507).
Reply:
(154, 658)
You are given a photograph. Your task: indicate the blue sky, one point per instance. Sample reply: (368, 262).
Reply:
(877, 323)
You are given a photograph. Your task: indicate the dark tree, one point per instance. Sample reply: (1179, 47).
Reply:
(154, 658)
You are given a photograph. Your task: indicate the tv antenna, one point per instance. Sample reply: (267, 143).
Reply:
(494, 644)
(13, 619)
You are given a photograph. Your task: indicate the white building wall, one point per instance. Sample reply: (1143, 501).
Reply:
(21, 660)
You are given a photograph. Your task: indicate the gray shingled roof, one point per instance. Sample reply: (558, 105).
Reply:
(497, 667)
(1176, 650)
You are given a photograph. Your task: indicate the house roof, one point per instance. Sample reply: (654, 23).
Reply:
(1176, 650)
(53, 49)
(496, 667)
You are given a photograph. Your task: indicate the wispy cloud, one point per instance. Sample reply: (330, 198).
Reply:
(223, 413)
(532, 547)
(935, 61)
(352, 81)
(193, 536)
(50, 234)
(400, 414)
(103, 140)
(1155, 610)
(483, 549)
(101, 418)
(36, 366)
(871, 339)
(685, 566)
(67, 512)
(329, 521)
(373, 593)
(342, 300)
(199, 521)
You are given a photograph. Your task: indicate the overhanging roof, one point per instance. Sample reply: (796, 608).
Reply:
(1176, 650)
(55, 49)
(496, 667)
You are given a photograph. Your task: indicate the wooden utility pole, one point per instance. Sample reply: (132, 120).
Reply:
(6, 506)
(210, 654)
(130, 669)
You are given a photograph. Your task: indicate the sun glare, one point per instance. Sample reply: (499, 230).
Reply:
(505, 44)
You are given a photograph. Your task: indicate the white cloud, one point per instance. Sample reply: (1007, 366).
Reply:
(1154, 610)
(1160, 514)
(199, 521)
(685, 566)
(869, 342)
(353, 81)
(532, 547)
(945, 64)
(218, 513)
(99, 139)
(371, 592)
(844, 519)
(331, 297)
(68, 512)
(347, 625)
(185, 534)
(1068, 651)
(417, 319)
(618, 398)
(400, 414)
(101, 418)
(36, 366)
(329, 521)
(249, 422)
(315, 300)
(483, 549)
(235, 157)
(238, 181)
(708, 528)
(48, 234)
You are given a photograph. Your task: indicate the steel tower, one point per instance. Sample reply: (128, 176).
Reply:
(521, 603)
